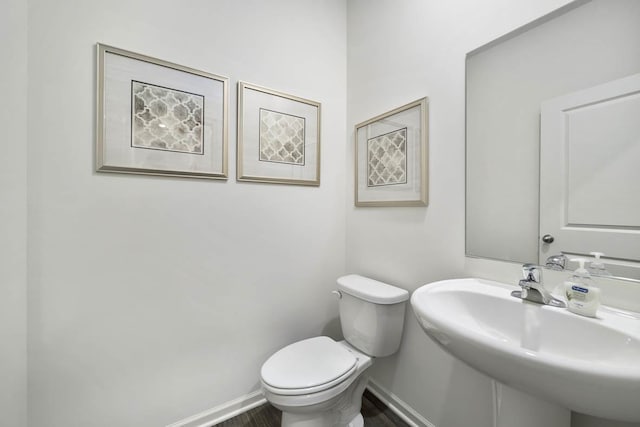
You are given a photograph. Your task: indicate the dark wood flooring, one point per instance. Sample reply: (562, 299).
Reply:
(374, 412)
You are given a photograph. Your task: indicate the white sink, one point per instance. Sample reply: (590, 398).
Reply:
(587, 365)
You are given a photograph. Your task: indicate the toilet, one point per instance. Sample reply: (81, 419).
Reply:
(319, 382)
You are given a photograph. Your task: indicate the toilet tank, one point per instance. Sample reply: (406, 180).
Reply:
(371, 314)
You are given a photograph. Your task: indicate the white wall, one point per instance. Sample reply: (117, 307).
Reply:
(13, 214)
(152, 298)
(398, 52)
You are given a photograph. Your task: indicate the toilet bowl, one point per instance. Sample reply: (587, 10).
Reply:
(319, 382)
(313, 382)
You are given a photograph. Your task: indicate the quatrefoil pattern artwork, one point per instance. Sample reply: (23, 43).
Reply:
(281, 137)
(166, 119)
(387, 159)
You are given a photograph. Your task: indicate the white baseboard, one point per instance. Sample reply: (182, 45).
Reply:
(245, 403)
(223, 412)
(401, 409)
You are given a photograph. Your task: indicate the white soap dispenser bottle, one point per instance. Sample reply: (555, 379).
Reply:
(582, 296)
(597, 266)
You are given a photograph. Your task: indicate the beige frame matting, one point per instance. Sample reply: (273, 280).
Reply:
(278, 137)
(391, 157)
(155, 117)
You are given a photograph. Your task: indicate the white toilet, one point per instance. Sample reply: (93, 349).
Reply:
(319, 382)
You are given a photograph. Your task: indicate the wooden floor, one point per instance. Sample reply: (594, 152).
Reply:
(375, 414)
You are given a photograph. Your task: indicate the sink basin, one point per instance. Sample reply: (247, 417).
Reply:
(588, 365)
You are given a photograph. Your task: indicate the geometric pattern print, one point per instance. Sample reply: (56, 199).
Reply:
(281, 138)
(387, 159)
(166, 119)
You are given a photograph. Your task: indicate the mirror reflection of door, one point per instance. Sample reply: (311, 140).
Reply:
(590, 146)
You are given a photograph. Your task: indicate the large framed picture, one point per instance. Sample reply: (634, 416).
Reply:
(391, 157)
(159, 118)
(278, 137)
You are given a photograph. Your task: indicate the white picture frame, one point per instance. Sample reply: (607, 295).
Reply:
(391, 157)
(159, 118)
(278, 137)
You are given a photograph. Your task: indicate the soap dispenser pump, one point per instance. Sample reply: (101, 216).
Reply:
(582, 296)
(597, 266)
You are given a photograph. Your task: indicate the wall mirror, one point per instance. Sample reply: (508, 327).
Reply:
(553, 139)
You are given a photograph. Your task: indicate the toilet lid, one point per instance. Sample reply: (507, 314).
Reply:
(308, 363)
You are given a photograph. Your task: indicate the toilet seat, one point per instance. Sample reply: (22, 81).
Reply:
(308, 366)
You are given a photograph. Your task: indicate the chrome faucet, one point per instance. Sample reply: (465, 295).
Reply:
(557, 262)
(533, 289)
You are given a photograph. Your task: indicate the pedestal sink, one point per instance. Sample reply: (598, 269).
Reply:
(588, 365)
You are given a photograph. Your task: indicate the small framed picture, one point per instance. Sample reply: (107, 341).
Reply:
(159, 118)
(391, 157)
(278, 137)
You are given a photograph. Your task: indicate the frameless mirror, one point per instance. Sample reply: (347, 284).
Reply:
(553, 139)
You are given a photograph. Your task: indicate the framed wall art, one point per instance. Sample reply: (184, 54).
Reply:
(159, 118)
(278, 137)
(391, 157)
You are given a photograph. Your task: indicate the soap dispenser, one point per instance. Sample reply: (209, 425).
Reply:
(597, 267)
(582, 296)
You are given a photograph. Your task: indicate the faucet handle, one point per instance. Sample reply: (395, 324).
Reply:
(532, 273)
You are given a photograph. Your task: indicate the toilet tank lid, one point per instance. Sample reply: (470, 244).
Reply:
(371, 290)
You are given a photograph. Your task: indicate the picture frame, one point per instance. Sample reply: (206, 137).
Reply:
(159, 118)
(391, 157)
(278, 137)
